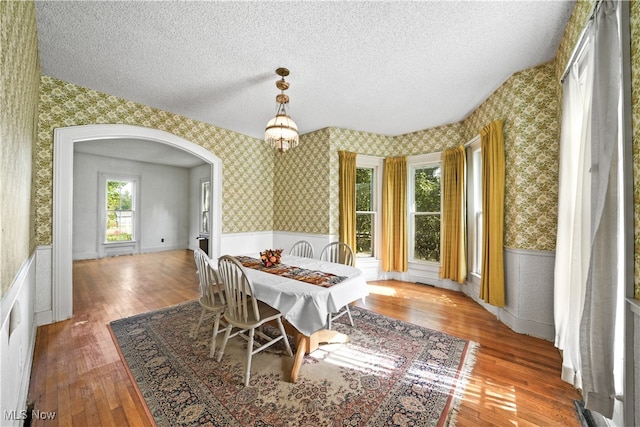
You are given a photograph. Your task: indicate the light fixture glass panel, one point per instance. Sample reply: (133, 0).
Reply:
(281, 132)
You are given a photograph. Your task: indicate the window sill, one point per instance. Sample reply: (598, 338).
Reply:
(424, 266)
(425, 263)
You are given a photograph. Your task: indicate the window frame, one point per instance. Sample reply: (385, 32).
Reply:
(104, 177)
(413, 163)
(474, 206)
(375, 163)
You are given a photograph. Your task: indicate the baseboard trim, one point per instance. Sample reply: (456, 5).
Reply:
(527, 327)
(43, 318)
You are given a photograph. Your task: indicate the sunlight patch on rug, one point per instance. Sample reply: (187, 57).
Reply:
(355, 357)
(389, 373)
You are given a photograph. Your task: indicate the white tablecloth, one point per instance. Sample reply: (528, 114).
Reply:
(304, 305)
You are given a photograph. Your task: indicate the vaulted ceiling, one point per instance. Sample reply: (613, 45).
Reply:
(388, 67)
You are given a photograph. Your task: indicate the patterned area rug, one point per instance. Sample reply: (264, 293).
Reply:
(389, 373)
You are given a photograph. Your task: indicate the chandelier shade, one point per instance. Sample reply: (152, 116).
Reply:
(281, 131)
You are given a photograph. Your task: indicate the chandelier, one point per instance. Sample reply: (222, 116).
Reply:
(281, 132)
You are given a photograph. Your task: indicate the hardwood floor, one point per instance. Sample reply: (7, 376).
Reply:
(78, 374)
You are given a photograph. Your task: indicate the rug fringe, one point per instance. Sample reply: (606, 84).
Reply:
(458, 390)
(131, 378)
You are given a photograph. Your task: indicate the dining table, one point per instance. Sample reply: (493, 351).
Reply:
(305, 291)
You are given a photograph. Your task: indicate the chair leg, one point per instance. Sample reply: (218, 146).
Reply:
(194, 334)
(284, 337)
(329, 321)
(224, 342)
(247, 373)
(349, 314)
(216, 325)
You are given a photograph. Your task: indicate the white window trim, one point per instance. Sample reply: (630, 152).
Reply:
(103, 177)
(375, 163)
(413, 162)
(472, 146)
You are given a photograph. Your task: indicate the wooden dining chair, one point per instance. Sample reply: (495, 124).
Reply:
(302, 248)
(338, 252)
(211, 297)
(341, 253)
(245, 313)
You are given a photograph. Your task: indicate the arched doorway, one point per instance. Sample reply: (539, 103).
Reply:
(63, 154)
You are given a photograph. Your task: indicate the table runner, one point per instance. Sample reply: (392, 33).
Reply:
(319, 278)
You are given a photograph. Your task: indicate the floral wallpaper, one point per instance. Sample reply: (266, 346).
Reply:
(527, 104)
(635, 99)
(247, 162)
(301, 188)
(19, 75)
(579, 17)
(432, 140)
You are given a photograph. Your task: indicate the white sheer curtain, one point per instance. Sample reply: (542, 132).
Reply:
(572, 248)
(586, 292)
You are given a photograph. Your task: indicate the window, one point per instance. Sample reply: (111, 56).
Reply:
(120, 211)
(365, 213)
(204, 206)
(425, 208)
(474, 206)
(368, 190)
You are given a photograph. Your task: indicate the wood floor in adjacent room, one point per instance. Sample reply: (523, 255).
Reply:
(78, 374)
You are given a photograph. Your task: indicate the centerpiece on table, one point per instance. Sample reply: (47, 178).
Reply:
(271, 257)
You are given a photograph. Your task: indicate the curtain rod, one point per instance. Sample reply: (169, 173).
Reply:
(581, 40)
(471, 141)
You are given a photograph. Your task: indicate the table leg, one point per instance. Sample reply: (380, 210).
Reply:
(308, 344)
(303, 346)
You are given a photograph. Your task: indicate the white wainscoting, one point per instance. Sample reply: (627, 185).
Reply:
(17, 341)
(43, 308)
(286, 239)
(529, 292)
(245, 243)
(370, 267)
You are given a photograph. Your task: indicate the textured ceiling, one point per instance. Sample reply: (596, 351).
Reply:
(140, 150)
(383, 67)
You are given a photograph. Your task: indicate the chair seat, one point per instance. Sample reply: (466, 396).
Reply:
(213, 306)
(267, 314)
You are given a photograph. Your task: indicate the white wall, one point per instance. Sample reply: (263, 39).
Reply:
(164, 204)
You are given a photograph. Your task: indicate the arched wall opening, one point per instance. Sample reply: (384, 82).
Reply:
(63, 157)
